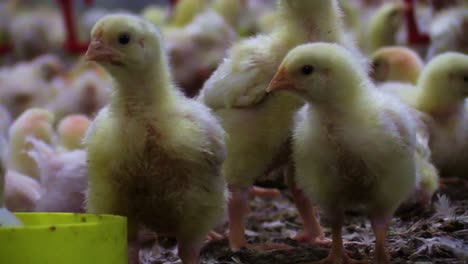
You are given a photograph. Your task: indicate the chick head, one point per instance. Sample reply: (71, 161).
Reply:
(319, 72)
(306, 6)
(392, 14)
(399, 64)
(71, 131)
(446, 76)
(124, 43)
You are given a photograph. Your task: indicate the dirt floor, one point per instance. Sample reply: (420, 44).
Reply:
(438, 234)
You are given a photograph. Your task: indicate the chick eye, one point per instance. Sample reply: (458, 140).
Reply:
(124, 38)
(465, 79)
(307, 70)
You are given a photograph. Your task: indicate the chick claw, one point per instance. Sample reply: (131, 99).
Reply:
(263, 192)
(213, 235)
(313, 240)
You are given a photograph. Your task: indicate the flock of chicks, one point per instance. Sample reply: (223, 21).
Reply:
(302, 98)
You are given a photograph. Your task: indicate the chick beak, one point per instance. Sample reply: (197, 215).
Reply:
(98, 51)
(281, 82)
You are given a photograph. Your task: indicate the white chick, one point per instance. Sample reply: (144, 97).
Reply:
(396, 64)
(21, 192)
(153, 154)
(353, 144)
(63, 178)
(6, 217)
(71, 131)
(36, 32)
(5, 121)
(449, 32)
(196, 50)
(26, 84)
(84, 94)
(259, 125)
(34, 122)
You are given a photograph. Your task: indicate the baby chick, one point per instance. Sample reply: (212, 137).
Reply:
(34, 122)
(71, 131)
(6, 217)
(21, 192)
(259, 125)
(384, 26)
(153, 155)
(353, 144)
(63, 177)
(441, 94)
(396, 64)
(449, 32)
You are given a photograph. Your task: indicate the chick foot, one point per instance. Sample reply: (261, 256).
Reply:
(313, 233)
(213, 235)
(263, 192)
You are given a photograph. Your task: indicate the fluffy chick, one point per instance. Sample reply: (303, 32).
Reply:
(236, 93)
(63, 178)
(384, 26)
(353, 144)
(449, 32)
(6, 217)
(196, 49)
(27, 84)
(396, 64)
(86, 94)
(164, 173)
(21, 192)
(34, 122)
(441, 93)
(71, 131)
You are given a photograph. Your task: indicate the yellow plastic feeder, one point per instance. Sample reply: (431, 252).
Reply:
(65, 238)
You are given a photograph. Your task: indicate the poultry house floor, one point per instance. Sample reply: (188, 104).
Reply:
(438, 234)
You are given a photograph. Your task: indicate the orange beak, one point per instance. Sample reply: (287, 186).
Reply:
(101, 52)
(281, 82)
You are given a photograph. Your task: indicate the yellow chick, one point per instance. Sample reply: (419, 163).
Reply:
(185, 11)
(231, 10)
(353, 144)
(441, 94)
(384, 26)
(155, 13)
(34, 122)
(71, 131)
(259, 125)
(396, 64)
(153, 154)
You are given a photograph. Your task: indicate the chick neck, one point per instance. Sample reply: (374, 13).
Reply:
(137, 93)
(299, 26)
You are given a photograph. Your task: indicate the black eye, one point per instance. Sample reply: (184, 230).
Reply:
(124, 38)
(307, 70)
(465, 79)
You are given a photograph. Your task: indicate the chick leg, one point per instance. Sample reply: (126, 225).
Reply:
(189, 249)
(237, 210)
(380, 227)
(313, 233)
(337, 253)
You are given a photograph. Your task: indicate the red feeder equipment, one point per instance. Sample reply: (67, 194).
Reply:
(414, 36)
(72, 44)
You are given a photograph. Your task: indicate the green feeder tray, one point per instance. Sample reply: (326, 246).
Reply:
(55, 238)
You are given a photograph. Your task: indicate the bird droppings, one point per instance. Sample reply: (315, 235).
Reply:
(52, 228)
(83, 219)
(416, 236)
